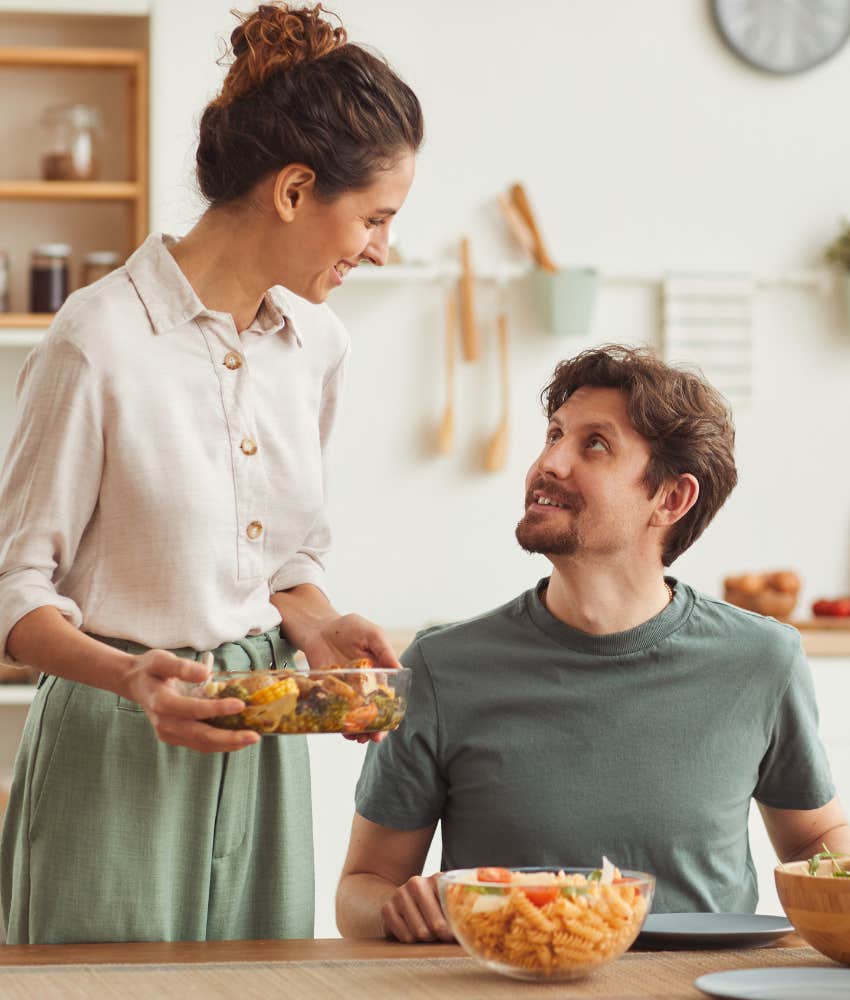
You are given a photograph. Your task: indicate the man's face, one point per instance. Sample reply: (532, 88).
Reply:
(585, 493)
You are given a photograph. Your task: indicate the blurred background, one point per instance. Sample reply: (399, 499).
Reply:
(686, 196)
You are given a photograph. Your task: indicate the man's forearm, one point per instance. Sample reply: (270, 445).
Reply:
(302, 609)
(359, 899)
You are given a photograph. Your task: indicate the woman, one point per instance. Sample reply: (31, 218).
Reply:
(163, 497)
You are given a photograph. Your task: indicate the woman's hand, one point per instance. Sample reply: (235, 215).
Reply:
(343, 638)
(176, 718)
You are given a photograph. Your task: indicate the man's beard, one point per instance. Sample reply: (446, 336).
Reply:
(534, 535)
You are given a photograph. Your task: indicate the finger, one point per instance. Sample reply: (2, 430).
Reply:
(424, 892)
(381, 652)
(413, 916)
(394, 924)
(166, 666)
(205, 738)
(168, 702)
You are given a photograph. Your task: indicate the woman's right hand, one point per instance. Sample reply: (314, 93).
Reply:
(177, 718)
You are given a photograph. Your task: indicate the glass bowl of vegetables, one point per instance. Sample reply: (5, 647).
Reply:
(815, 895)
(532, 923)
(354, 700)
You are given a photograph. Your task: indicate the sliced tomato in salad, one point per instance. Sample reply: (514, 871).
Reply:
(494, 875)
(540, 895)
(625, 878)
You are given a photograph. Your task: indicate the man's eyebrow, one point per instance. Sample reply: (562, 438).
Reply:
(603, 426)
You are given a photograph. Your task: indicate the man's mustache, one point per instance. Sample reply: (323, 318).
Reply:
(564, 498)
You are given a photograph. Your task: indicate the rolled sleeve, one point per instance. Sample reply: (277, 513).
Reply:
(50, 481)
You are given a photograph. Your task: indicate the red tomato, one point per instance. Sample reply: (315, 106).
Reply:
(823, 607)
(625, 878)
(842, 607)
(494, 875)
(541, 895)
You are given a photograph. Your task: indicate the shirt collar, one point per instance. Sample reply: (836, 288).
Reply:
(170, 301)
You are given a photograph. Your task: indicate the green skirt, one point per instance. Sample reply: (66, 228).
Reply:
(112, 835)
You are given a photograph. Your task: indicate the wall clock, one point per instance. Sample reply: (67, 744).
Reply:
(783, 36)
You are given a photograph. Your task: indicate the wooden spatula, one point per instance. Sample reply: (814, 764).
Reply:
(497, 449)
(446, 432)
(466, 288)
(520, 200)
(517, 225)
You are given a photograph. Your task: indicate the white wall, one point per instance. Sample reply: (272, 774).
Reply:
(646, 146)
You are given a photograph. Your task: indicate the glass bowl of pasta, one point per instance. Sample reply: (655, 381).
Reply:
(533, 923)
(354, 700)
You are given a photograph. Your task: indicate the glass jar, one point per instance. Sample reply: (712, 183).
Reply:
(49, 277)
(4, 281)
(73, 132)
(97, 265)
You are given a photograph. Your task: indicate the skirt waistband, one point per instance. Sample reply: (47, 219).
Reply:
(267, 651)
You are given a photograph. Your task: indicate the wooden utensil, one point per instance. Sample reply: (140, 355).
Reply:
(520, 200)
(466, 291)
(446, 432)
(497, 449)
(517, 225)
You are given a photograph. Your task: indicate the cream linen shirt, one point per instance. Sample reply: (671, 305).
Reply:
(166, 474)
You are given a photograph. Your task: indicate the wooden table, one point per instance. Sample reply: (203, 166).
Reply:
(330, 969)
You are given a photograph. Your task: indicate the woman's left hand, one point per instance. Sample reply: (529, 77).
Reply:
(344, 638)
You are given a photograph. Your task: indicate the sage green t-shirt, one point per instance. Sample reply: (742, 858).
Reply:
(537, 744)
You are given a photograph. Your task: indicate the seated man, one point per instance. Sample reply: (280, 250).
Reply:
(610, 709)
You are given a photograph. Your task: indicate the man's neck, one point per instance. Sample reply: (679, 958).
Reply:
(601, 600)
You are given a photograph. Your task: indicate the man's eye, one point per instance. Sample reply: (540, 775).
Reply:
(597, 444)
(552, 436)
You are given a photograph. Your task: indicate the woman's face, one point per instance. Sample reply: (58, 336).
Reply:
(328, 239)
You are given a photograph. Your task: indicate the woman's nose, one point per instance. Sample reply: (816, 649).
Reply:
(378, 248)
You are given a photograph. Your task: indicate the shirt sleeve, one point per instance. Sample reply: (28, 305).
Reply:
(50, 481)
(794, 772)
(402, 784)
(307, 564)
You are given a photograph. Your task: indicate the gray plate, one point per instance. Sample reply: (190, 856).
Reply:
(713, 930)
(777, 984)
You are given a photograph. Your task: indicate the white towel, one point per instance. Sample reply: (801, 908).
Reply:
(708, 322)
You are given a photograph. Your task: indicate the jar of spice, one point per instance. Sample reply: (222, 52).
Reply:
(4, 281)
(49, 277)
(71, 153)
(97, 265)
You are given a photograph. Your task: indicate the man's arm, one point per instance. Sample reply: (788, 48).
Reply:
(381, 891)
(797, 834)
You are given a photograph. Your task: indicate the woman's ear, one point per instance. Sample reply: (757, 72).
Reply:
(675, 499)
(292, 183)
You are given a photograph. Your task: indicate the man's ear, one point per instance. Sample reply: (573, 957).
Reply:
(674, 499)
(292, 183)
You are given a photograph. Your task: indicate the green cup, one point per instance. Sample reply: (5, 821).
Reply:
(566, 299)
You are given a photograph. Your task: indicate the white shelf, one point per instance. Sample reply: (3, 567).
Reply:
(10, 337)
(16, 694)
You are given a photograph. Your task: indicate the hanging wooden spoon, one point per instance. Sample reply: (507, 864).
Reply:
(497, 449)
(468, 326)
(446, 432)
(517, 225)
(523, 206)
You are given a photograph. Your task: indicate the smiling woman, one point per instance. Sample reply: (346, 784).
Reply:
(182, 517)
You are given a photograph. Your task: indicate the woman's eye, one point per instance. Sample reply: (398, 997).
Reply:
(377, 222)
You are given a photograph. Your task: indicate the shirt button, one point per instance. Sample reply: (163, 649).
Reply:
(248, 446)
(254, 530)
(232, 360)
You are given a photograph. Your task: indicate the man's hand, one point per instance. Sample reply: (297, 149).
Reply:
(413, 912)
(176, 718)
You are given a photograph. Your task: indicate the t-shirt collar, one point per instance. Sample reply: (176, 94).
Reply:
(171, 302)
(632, 640)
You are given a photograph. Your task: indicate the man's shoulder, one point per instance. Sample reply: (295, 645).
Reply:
(744, 629)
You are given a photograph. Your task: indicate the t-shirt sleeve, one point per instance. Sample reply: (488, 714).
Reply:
(794, 772)
(402, 785)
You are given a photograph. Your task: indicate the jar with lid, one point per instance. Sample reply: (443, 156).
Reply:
(72, 136)
(49, 277)
(97, 265)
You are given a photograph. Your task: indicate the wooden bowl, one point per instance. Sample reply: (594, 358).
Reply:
(818, 907)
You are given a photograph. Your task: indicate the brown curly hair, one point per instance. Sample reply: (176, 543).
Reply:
(685, 420)
(297, 91)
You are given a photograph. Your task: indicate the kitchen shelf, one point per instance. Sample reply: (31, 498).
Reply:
(16, 694)
(69, 191)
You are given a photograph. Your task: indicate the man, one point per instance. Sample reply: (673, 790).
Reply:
(610, 710)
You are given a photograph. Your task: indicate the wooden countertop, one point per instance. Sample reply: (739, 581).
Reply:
(339, 970)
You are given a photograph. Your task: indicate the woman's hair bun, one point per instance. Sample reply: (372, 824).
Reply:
(277, 36)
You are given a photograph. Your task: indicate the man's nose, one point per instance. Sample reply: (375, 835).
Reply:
(556, 460)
